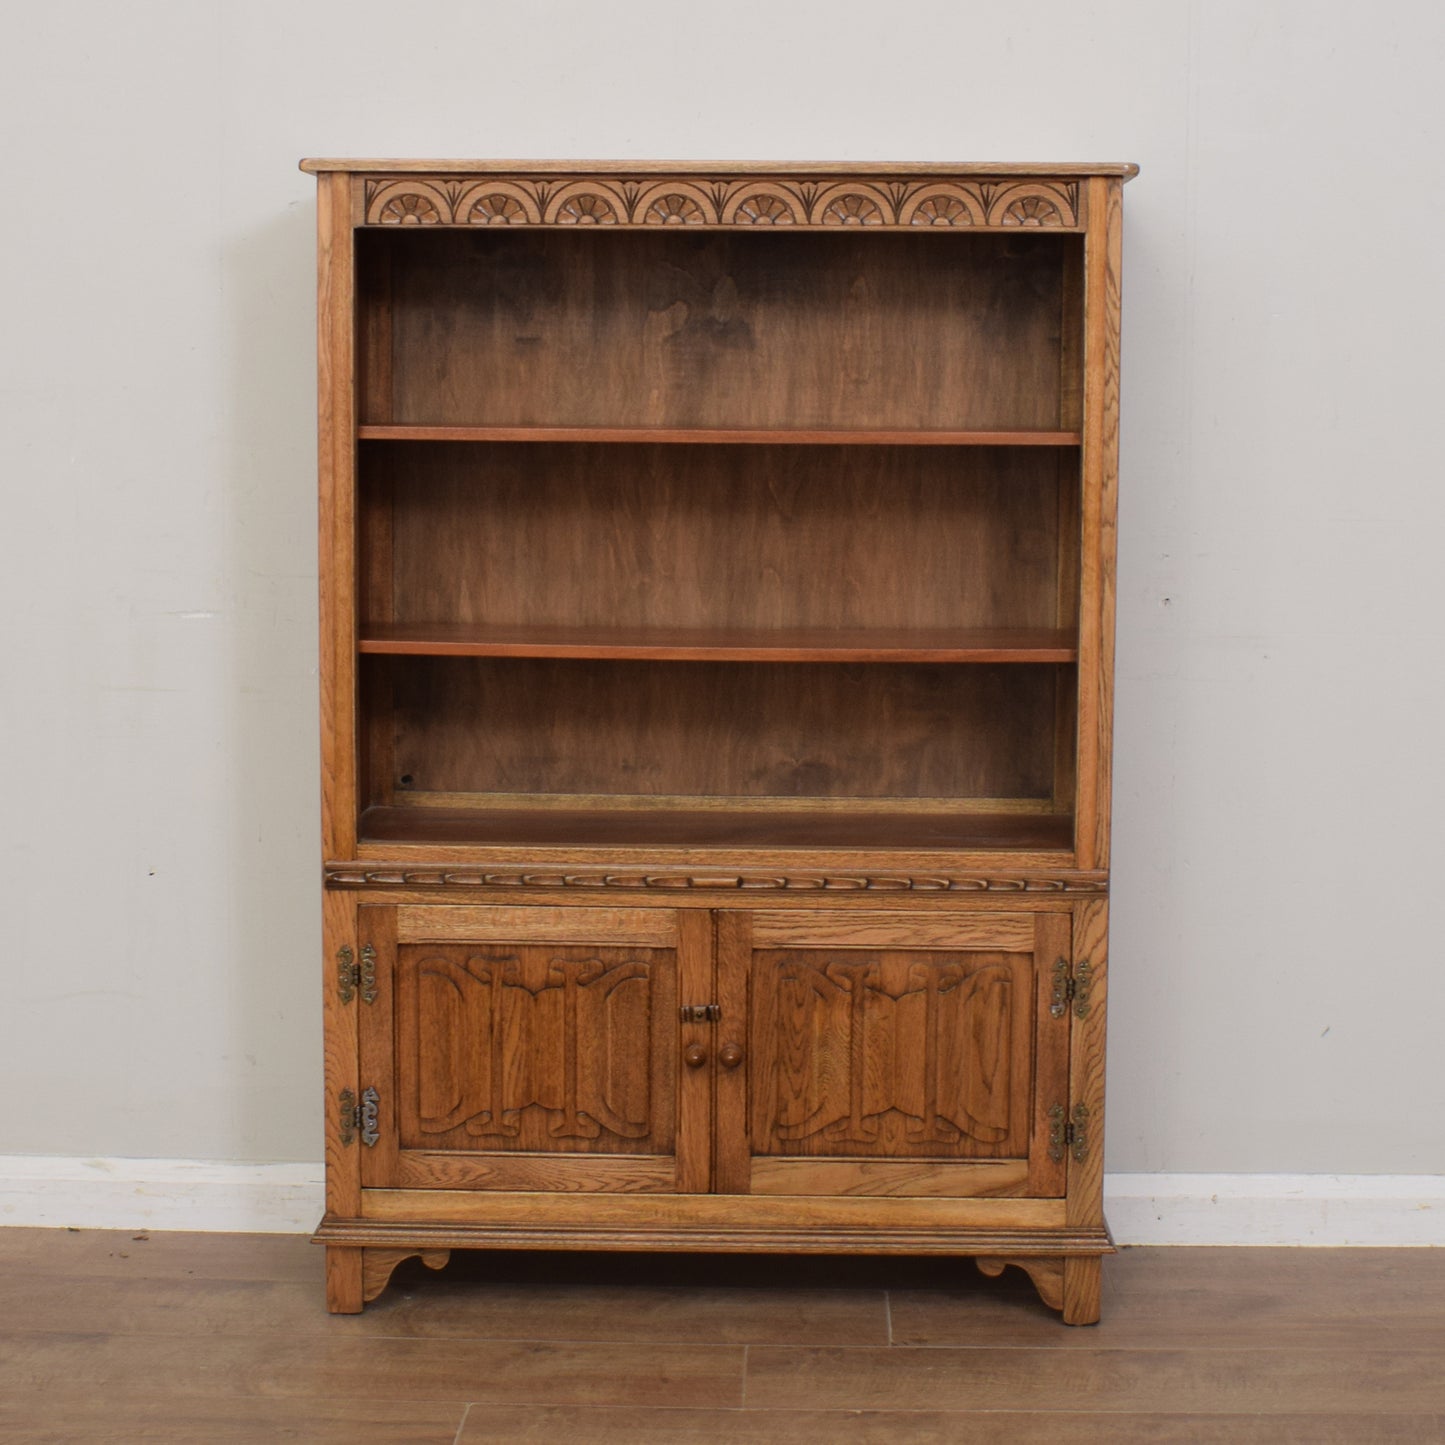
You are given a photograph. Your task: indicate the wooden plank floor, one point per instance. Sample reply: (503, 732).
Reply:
(109, 1337)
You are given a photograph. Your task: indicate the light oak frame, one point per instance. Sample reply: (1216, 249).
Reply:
(1056, 889)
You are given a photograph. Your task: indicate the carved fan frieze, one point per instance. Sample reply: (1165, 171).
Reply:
(696, 201)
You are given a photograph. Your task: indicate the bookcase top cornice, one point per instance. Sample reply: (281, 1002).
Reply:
(716, 194)
(1125, 169)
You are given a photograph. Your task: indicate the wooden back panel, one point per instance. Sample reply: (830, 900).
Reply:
(528, 327)
(722, 729)
(716, 536)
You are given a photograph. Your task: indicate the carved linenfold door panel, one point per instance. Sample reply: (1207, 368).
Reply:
(531, 1048)
(891, 1053)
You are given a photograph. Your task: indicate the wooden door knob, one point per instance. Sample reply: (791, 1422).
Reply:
(694, 1056)
(730, 1056)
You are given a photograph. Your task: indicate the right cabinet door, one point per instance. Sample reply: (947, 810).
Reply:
(882, 1053)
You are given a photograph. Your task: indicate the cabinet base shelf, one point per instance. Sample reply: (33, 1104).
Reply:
(1063, 1264)
(820, 1239)
(716, 827)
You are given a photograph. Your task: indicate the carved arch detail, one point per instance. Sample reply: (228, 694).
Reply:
(944, 204)
(852, 203)
(581, 200)
(675, 203)
(765, 203)
(409, 203)
(498, 203)
(586, 203)
(1032, 204)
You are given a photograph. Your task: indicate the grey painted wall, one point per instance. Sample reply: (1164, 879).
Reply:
(1278, 980)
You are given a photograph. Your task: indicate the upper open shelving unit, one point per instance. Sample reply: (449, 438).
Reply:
(721, 485)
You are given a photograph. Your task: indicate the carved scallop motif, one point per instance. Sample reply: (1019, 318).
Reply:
(674, 209)
(1032, 211)
(853, 210)
(498, 203)
(852, 204)
(764, 205)
(409, 208)
(943, 205)
(585, 203)
(1033, 206)
(941, 211)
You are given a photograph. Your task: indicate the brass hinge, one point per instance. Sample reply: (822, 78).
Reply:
(700, 1013)
(1069, 1134)
(362, 1116)
(352, 976)
(1071, 988)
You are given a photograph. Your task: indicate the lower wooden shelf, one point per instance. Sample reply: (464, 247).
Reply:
(671, 827)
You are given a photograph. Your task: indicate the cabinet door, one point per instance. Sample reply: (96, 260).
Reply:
(891, 1053)
(533, 1048)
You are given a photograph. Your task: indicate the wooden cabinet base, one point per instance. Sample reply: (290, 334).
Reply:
(361, 1253)
(356, 1276)
(1070, 1284)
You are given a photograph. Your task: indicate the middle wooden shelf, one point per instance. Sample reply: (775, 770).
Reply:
(723, 644)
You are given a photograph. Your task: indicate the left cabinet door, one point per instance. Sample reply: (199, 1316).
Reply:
(534, 1049)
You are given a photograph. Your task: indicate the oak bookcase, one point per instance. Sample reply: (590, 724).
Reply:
(716, 655)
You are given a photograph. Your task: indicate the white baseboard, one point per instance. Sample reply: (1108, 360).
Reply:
(1306, 1209)
(200, 1194)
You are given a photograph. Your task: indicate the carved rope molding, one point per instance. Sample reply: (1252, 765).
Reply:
(341, 875)
(682, 201)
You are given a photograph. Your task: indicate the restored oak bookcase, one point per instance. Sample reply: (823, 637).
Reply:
(716, 662)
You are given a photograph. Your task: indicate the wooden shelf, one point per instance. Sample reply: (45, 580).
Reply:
(700, 644)
(716, 827)
(756, 436)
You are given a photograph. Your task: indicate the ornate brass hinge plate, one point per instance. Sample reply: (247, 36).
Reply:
(352, 976)
(362, 1117)
(1069, 1135)
(1071, 988)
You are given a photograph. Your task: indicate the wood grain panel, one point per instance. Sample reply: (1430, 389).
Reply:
(67, 1416)
(900, 1053)
(341, 1063)
(730, 435)
(1099, 505)
(1003, 932)
(1086, 1062)
(722, 729)
(1228, 1381)
(377, 1024)
(336, 467)
(889, 1177)
(533, 924)
(617, 1174)
(383, 1368)
(533, 1048)
(1053, 945)
(519, 327)
(427, 1214)
(732, 1152)
(772, 538)
(444, 832)
(491, 165)
(1080, 1425)
(696, 985)
(705, 644)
